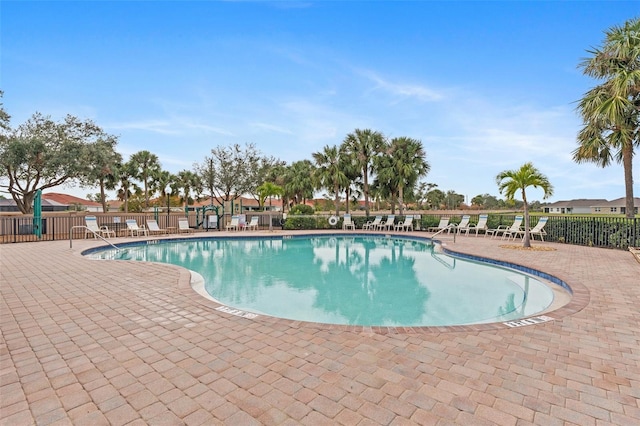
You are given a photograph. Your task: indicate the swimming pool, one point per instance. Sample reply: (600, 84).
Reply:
(355, 280)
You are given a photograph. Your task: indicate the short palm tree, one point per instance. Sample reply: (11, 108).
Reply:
(611, 111)
(268, 189)
(511, 181)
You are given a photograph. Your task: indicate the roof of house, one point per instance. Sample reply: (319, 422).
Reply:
(66, 200)
(618, 202)
(245, 201)
(581, 202)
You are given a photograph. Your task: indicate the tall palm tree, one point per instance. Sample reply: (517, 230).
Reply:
(298, 183)
(611, 110)
(103, 165)
(408, 162)
(147, 165)
(364, 145)
(329, 174)
(126, 175)
(512, 181)
(187, 181)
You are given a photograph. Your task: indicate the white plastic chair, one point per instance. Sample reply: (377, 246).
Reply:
(347, 223)
(183, 225)
(152, 227)
(253, 224)
(234, 224)
(133, 228)
(93, 228)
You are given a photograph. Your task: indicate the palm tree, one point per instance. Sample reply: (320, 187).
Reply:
(147, 166)
(126, 174)
(298, 183)
(512, 181)
(104, 162)
(364, 145)
(329, 174)
(187, 181)
(611, 111)
(268, 189)
(408, 165)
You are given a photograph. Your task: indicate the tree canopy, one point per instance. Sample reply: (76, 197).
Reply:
(611, 110)
(511, 181)
(42, 153)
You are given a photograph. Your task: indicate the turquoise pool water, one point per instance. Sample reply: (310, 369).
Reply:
(361, 280)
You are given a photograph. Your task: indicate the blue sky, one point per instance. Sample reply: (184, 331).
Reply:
(486, 86)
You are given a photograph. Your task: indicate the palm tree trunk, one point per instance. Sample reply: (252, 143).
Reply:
(401, 200)
(526, 238)
(627, 164)
(365, 189)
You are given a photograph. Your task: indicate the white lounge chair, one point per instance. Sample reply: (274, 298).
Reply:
(506, 230)
(480, 226)
(372, 224)
(444, 223)
(388, 224)
(234, 224)
(134, 229)
(253, 224)
(347, 223)
(153, 228)
(539, 229)
(406, 225)
(91, 223)
(183, 225)
(463, 226)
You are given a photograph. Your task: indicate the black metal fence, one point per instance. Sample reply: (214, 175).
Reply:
(597, 231)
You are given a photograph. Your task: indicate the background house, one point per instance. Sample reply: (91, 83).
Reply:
(56, 202)
(615, 206)
(580, 206)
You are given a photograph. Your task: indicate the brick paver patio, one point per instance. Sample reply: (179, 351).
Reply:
(89, 342)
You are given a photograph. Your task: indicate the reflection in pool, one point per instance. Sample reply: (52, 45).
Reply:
(361, 280)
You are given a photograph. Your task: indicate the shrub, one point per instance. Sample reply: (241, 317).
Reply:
(302, 209)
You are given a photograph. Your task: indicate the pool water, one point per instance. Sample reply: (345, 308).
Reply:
(361, 280)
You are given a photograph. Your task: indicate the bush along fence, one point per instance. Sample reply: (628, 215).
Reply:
(596, 231)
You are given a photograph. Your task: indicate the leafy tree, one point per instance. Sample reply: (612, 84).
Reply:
(265, 170)
(420, 193)
(229, 172)
(329, 174)
(452, 200)
(435, 198)
(4, 116)
(147, 165)
(364, 145)
(41, 154)
(103, 162)
(486, 201)
(511, 181)
(611, 110)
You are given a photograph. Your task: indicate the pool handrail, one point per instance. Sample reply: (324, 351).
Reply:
(94, 233)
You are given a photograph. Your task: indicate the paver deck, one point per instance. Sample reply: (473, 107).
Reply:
(90, 342)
